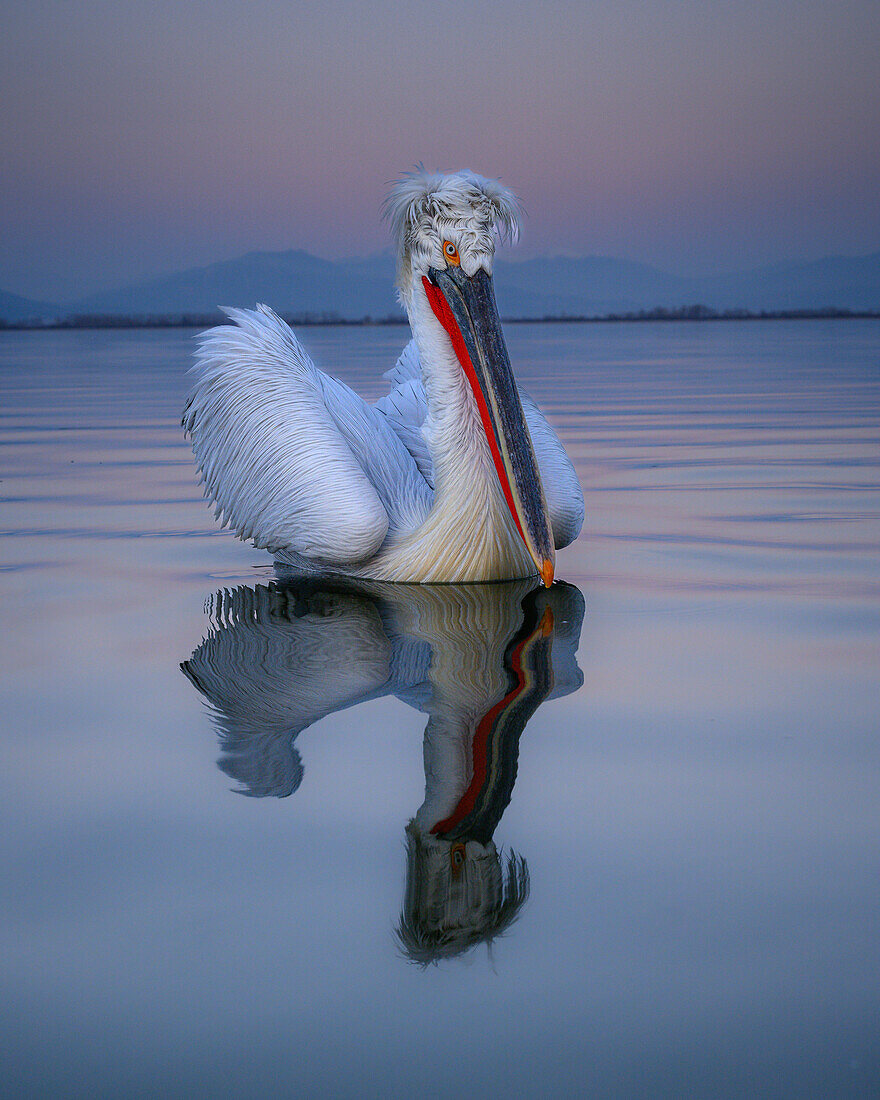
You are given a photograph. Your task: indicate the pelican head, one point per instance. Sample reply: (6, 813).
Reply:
(445, 227)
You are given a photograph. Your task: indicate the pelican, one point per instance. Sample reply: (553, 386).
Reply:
(453, 476)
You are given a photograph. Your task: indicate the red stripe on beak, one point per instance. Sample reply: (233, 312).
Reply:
(444, 315)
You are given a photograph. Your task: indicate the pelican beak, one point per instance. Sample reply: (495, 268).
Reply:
(465, 306)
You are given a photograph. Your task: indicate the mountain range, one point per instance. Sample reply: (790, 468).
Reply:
(299, 284)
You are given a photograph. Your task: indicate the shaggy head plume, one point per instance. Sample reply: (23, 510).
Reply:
(426, 208)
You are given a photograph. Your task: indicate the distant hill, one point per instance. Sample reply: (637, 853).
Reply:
(15, 308)
(851, 282)
(598, 284)
(297, 283)
(291, 282)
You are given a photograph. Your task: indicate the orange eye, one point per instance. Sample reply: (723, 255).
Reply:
(450, 253)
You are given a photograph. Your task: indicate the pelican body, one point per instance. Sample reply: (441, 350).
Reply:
(453, 476)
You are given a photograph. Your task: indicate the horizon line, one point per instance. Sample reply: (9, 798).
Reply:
(389, 255)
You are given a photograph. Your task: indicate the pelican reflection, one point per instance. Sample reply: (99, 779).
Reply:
(477, 659)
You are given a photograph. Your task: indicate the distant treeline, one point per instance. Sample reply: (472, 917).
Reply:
(706, 313)
(187, 320)
(659, 313)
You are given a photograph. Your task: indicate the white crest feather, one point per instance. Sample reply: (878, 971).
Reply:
(424, 208)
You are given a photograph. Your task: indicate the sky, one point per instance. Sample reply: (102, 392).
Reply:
(700, 136)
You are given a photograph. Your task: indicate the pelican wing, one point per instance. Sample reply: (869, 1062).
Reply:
(405, 407)
(565, 499)
(293, 459)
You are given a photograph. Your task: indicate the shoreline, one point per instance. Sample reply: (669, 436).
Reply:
(208, 320)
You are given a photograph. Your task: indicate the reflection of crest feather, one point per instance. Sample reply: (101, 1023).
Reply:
(443, 917)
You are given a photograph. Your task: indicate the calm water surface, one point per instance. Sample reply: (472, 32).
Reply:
(618, 839)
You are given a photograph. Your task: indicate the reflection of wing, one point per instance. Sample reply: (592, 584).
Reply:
(277, 661)
(406, 407)
(567, 603)
(292, 458)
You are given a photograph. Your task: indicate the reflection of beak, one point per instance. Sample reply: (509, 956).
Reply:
(465, 306)
(528, 659)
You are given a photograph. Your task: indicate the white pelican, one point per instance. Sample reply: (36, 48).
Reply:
(453, 476)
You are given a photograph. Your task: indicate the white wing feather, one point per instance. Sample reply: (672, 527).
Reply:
(405, 494)
(295, 460)
(405, 408)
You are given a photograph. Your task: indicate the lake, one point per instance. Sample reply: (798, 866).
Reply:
(671, 862)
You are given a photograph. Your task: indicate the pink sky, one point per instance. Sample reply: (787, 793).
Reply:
(696, 136)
